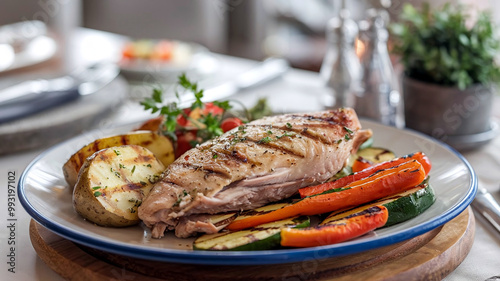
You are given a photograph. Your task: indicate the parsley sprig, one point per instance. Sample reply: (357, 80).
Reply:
(208, 125)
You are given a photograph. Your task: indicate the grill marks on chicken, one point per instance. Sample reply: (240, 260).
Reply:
(264, 161)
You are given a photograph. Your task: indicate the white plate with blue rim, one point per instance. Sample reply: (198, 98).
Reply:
(45, 196)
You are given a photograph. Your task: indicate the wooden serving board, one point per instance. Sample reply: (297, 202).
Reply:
(430, 256)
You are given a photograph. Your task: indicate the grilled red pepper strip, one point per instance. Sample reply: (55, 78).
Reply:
(360, 164)
(419, 156)
(337, 231)
(380, 184)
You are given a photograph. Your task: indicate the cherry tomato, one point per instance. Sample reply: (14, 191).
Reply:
(184, 139)
(230, 123)
(181, 120)
(211, 108)
(197, 114)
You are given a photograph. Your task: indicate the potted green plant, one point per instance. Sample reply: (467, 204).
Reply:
(449, 71)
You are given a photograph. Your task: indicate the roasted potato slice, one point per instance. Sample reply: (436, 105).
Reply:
(160, 145)
(112, 183)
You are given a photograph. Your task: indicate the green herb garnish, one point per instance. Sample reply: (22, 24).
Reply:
(265, 140)
(208, 125)
(97, 193)
(179, 199)
(286, 135)
(178, 202)
(260, 109)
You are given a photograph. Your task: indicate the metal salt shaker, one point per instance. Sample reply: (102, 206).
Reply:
(341, 70)
(380, 99)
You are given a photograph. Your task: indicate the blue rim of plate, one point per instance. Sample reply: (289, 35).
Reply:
(264, 257)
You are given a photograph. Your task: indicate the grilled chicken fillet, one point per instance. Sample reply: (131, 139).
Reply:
(264, 161)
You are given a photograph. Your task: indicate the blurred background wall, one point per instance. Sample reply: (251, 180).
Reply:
(200, 21)
(60, 15)
(254, 29)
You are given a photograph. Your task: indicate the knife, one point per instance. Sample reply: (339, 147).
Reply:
(487, 206)
(262, 73)
(33, 96)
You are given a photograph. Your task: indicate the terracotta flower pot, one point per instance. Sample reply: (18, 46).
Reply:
(447, 112)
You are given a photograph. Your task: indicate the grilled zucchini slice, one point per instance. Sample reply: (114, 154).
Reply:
(376, 154)
(263, 237)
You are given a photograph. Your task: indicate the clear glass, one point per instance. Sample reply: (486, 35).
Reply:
(341, 69)
(380, 98)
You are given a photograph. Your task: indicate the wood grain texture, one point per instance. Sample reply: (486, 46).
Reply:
(430, 256)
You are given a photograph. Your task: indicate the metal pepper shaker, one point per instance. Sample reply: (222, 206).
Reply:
(341, 69)
(380, 97)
